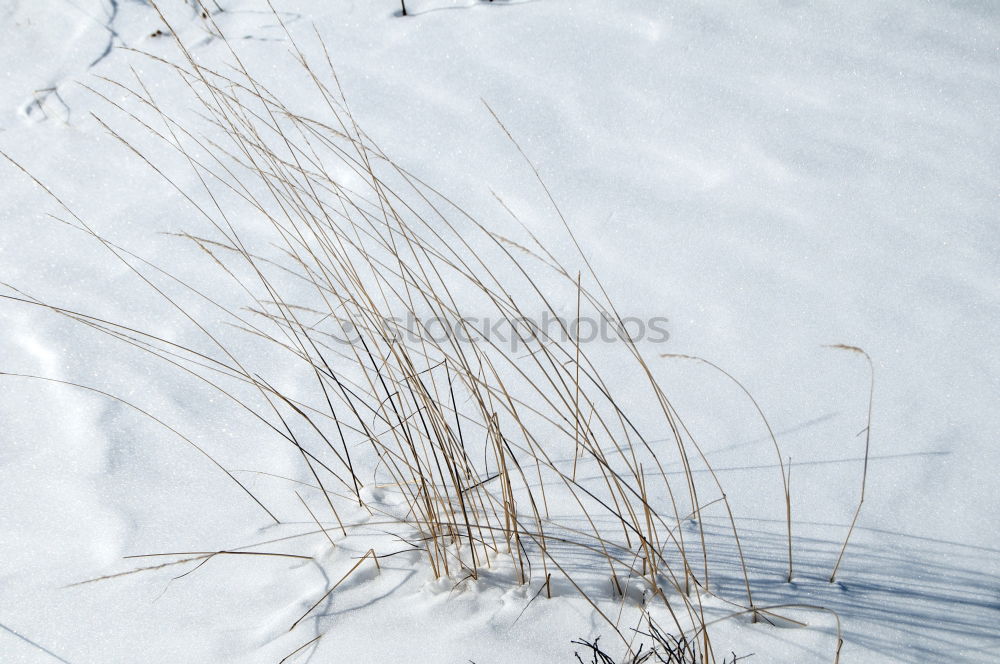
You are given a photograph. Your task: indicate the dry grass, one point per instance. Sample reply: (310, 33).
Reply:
(467, 432)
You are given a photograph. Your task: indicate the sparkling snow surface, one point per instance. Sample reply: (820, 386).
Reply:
(772, 177)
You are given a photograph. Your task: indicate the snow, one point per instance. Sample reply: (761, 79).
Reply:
(771, 177)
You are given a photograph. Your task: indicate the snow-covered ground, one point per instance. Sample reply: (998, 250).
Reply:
(771, 177)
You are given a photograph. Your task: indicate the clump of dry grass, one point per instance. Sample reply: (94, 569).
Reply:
(663, 648)
(468, 433)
